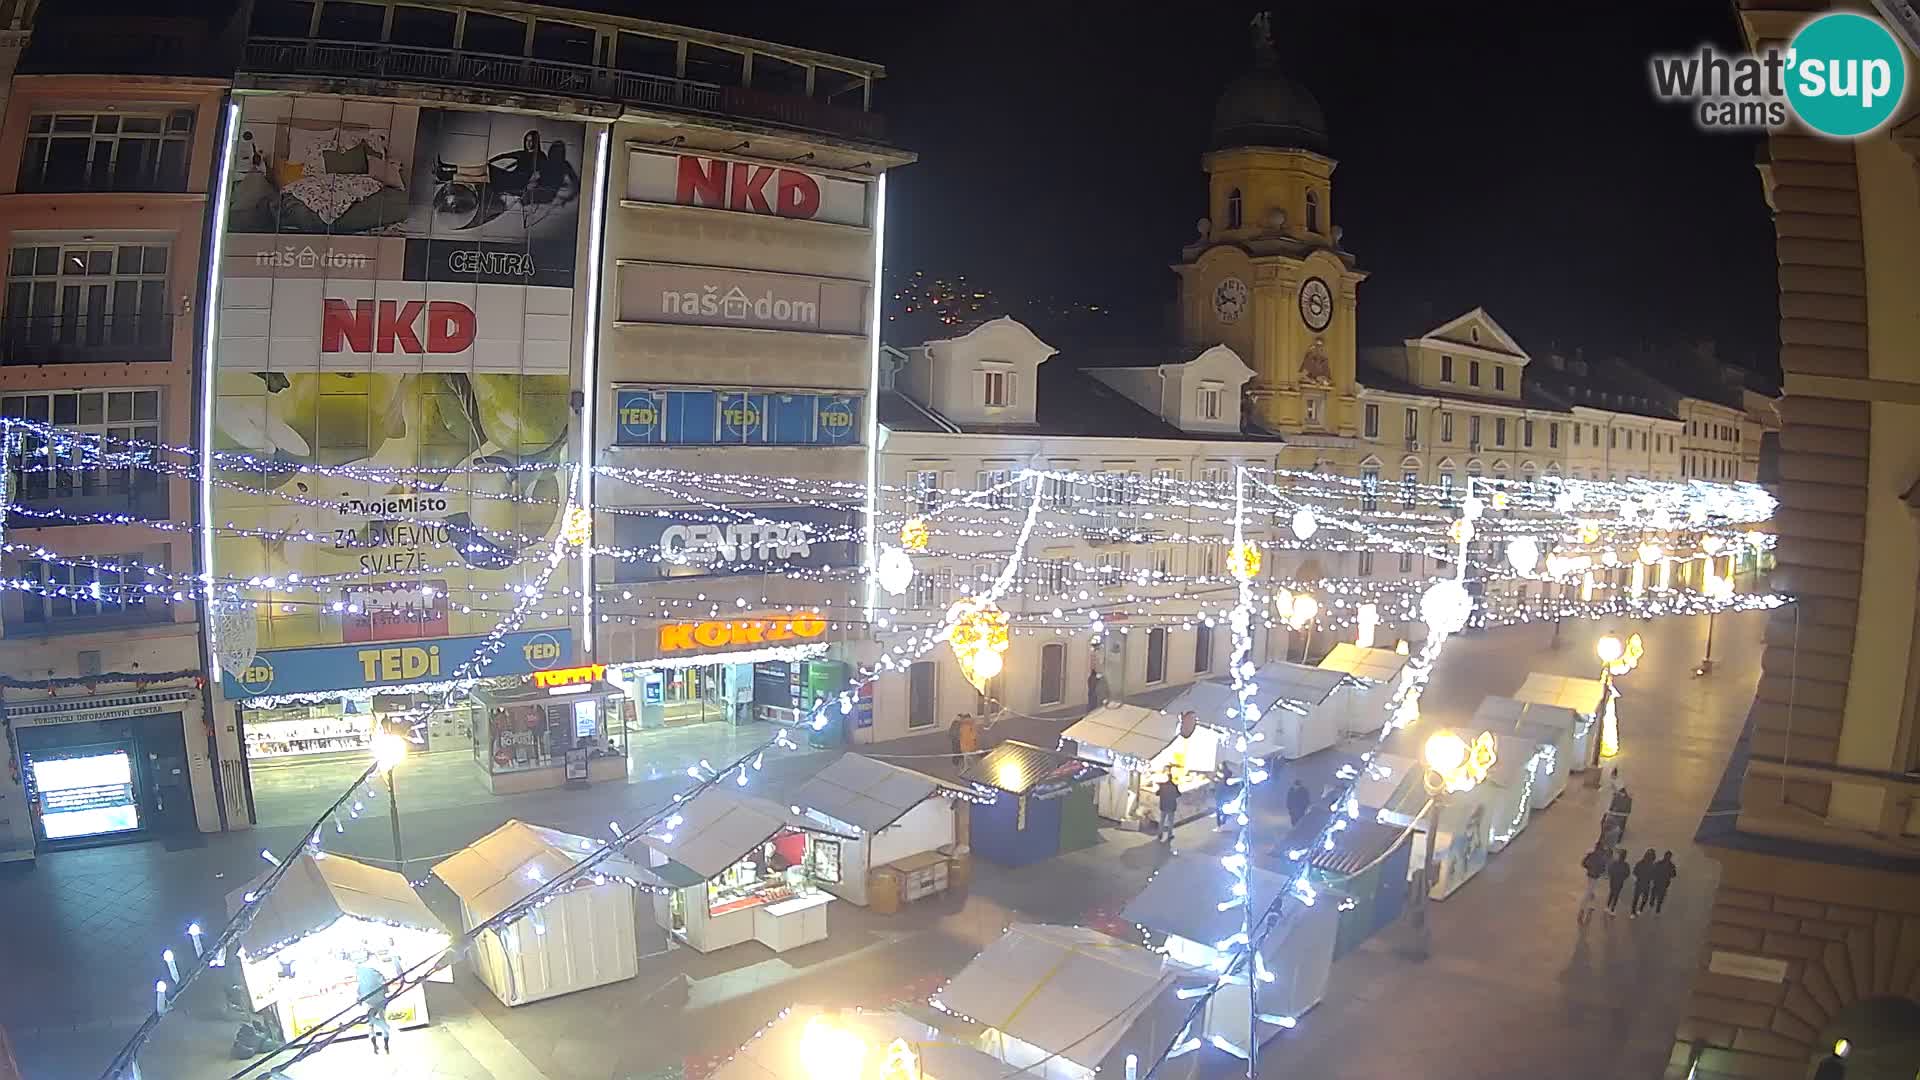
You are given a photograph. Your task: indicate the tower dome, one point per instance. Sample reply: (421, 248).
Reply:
(1262, 107)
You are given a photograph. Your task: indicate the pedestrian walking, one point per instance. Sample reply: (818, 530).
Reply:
(953, 740)
(1613, 825)
(1298, 800)
(1643, 877)
(1223, 793)
(1169, 806)
(372, 985)
(1595, 865)
(1663, 874)
(1618, 870)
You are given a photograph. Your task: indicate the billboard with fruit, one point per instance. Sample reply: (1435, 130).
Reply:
(395, 360)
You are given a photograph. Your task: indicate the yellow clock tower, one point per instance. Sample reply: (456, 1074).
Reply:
(1266, 276)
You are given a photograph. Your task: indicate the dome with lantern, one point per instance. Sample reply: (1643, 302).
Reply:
(1263, 107)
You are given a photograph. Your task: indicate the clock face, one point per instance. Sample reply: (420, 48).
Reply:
(1316, 304)
(1230, 300)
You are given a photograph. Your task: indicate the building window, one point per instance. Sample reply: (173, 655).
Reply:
(1209, 556)
(1499, 376)
(1316, 410)
(1576, 434)
(1446, 427)
(926, 490)
(105, 593)
(74, 476)
(82, 301)
(996, 389)
(1446, 368)
(923, 697)
(1613, 438)
(1409, 486)
(1446, 483)
(1473, 333)
(1054, 576)
(996, 485)
(1413, 425)
(1053, 673)
(1209, 402)
(1313, 212)
(1163, 560)
(1526, 433)
(1596, 434)
(1202, 649)
(1553, 437)
(1370, 488)
(1473, 431)
(1372, 421)
(1366, 564)
(1156, 655)
(115, 151)
(1500, 431)
(1473, 373)
(1406, 562)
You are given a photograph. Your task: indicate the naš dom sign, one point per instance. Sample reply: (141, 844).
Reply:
(742, 633)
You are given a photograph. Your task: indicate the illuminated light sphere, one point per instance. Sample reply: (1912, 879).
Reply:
(1244, 562)
(1445, 753)
(577, 528)
(1472, 507)
(1608, 558)
(1756, 539)
(1304, 525)
(914, 534)
(1609, 649)
(1523, 554)
(1697, 513)
(1589, 532)
(1445, 607)
(1660, 519)
(1565, 500)
(1629, 510)
(1711, 544)
(894, 571)
(1500, 500)
(1718, 588)
(1303, 610)
(1649, 554)
(979, 639)
(1461, 530)
(388, 750)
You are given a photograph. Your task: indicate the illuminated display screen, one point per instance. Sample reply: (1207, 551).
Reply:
(86, 796)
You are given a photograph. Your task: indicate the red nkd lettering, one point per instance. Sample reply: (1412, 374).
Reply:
(738, 185)
(797, 195)
(701, 182)
(389, 326)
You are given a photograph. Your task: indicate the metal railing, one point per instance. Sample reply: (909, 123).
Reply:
(86, 339)
(374, 60)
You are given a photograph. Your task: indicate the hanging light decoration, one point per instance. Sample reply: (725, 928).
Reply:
(1461, 531)
(1712, 543)
(1589, 531)
(979, 639)
(914, 534)
(1523, 554)
(1445, 607)
(894, 570)
(1304, 525)
(1649, 553)
(1244, 561)
(1500, 500)
(577, 527)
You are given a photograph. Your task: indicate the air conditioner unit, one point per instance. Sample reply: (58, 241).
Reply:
(1413, 444)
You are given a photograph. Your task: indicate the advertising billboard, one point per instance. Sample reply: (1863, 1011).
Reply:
(746, 187)
(395, 355)
(773, 538)
(696, 416)
(721, 296)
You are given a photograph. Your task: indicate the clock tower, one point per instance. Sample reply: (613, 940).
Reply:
(1266, 276)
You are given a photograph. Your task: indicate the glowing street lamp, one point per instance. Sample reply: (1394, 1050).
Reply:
(1453, 765)
(389, 750)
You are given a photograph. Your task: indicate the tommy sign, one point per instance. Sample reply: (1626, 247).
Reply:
(717, 296)
(745, 187)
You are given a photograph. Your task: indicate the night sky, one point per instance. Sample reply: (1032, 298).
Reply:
(1504, 155)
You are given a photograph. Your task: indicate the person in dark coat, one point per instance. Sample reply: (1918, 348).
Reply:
(372, 985)
(1663, 874)
(1169, 793)
(1644, 873)
(1595, 866)
(1299, 799)
(953, 741)
(1223, 793)
(1618, 871)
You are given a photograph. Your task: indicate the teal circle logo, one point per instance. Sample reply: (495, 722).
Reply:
(1845, 74)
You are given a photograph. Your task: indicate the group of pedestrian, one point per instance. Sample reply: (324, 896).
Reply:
(1651, 878)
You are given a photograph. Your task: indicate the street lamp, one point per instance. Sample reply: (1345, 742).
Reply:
(1297, 610)
(1617, 657)
(1452, 765)
(389, 750)
(1717, 589)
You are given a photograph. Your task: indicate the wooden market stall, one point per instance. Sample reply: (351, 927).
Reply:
(1584, 697)
(1297, 717)
(1067, 1003)
(1549, 727)
(1509, 784)
(739, 868)
(1140, 748)
(1042, 804)
(587, 935)
(329, 917)
(1182, 901)
(807, 1041)
(911, 830)
(1391, 788)
(1376, 673)
(1368, 864)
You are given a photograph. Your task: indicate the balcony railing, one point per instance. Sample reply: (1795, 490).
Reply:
(53, 505)
(86, 339)
(374, 60)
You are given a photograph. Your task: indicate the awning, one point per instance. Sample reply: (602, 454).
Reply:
(316, 892)
(1183, 898)
(1019, 768)
(1358, 846)
(719, 828)
(1581, 695)
(1503, 715)
(1127, 729)
(1068, 990)
(776, 1052)
(498, 870)
(865, 792)
(1376, 665)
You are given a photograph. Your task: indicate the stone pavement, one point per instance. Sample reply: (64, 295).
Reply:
(1514, 986)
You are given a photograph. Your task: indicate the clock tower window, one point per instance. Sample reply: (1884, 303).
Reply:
(1235, 209)
(1313, 212)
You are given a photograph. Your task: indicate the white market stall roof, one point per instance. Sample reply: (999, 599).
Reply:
(1071, 991)
(776, 1052)
(719, 828)
(1581, 695)
(1183, 898)
(1276, 682)
(866, 793)
(1132, 730)
(1384, 777)
(1376, 665)
(316, 892)
(1503, 715)
(498, 870)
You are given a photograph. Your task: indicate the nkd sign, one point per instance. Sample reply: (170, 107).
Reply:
(717, 296)
(745, 187)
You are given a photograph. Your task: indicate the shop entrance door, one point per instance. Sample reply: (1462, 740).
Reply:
(693, 695)
(171, 802)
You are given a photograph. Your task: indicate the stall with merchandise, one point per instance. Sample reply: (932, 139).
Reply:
(553, 728)
(1067, 1003)
(1550, 728)
(1183, 901)
(311, 936)
(1297, 715)
(911, 830)
(739, 868)
(1041, 804)
(807, 1041)
(1582, 697)
(1376, 674)
(1141, 749)
(583, 936)
(1369, 866)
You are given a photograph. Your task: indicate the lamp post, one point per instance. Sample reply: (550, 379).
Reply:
(1717, 589)
(389, 750)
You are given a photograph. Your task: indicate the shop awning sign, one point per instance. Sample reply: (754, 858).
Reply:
(794, 629)
(393, 664)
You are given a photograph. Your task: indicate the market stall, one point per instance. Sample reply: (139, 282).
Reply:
(1296, 716)
(329, 917)
(807, 1041)
(1509, 789)
(1066, 1002)
(910, 827)
(1369, 865)
(1141, 748)
(587, 935)
(1362, 708)
(1464, 842)
(739, 868)
(1391, 789)
(566, 726)
(1549, 727)
(1043, 804)
(1182, 901)
(1583, 697)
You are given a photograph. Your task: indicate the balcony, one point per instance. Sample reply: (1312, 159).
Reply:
(80, 495)
(86, 339)
(522, 74)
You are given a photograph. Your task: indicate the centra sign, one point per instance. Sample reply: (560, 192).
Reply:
(740, 633)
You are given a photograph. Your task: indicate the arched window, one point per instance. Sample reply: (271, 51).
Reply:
(1234, 215)
(1313, 211)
